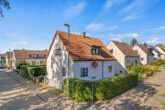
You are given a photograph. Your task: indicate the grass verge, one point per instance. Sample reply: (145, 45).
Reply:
(51, 89)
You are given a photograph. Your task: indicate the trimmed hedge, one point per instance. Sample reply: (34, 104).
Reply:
(81, 90)
(30, 71)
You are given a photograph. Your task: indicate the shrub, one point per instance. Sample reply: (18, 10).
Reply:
(33, 71)
(155, 63)
(139, 69)
(23, 70)
(81, 90)
(42, 70)
(30, 71)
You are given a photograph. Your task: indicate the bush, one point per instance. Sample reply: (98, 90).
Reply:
(42, 70)
(139, 69)
(23, 70)
(81, 90)
(30, 71)
(155, 63)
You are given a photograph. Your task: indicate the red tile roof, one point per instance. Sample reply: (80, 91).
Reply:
(146, 50)
(3, 55)
(79, 50)
(161, 47)
(22, 55)
(126, 49)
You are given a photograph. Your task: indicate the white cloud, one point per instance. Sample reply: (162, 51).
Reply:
(155, 40)
(10, 34)
(109, 3)
(125, 35)
(132, 16)
(74, 10)
(120, 37)
(20, 43)
(113, 27)
(136, 9)
(95, 26)
(160, 28)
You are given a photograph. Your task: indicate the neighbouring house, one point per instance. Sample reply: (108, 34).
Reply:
(89, 59)
(32, 57)
(124, 55)
(146, 53)
(161, 49)
(9, 59)
(2, 60)
(156, 53)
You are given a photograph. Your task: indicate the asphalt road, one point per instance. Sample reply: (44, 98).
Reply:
(14, 96)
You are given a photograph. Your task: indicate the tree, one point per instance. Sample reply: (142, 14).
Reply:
(5, 4)
(145, 44)
(133, 42)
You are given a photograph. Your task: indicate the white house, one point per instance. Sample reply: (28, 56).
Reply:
(146, 53)
(157, 54)
(161, 49)
(89, 59)
(2, 60)
(124, 55)
(33, 57)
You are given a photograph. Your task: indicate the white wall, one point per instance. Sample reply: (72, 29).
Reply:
(14, 61)
(56, 63)
(101, 71)
(120, 64)
(132, 59)
(38, 61)
(162, 56)
(142, 54)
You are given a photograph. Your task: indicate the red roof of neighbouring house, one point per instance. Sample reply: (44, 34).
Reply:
(161, 47)
(125, 49)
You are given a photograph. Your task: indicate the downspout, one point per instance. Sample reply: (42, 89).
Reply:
(102, 69)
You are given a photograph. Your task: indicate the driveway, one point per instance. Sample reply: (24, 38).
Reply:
(16, 93)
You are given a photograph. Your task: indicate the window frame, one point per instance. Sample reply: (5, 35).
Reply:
(64, 72)
(84, 72)
(110, 68)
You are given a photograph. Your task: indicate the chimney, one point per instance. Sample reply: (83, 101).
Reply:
(83, 34)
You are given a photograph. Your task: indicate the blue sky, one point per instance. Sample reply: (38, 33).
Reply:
(31, 24)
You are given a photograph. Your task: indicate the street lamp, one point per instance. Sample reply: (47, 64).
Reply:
(68, 26)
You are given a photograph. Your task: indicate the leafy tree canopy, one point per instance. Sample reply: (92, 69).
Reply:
(133, 42)
(3, 4)
(145, 44)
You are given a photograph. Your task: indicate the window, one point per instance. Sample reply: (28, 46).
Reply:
(136, 62)
(111, 50)
(141, 59)
(110, 68)
(33, 62)
(57, 52)
(84, 72)
(121, 72)
(41, 62)
(63, 71)
(95, 51)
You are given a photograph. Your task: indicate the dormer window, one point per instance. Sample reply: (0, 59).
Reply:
(95, 51)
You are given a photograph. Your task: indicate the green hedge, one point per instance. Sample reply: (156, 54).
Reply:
(81, 90)
(30, 71)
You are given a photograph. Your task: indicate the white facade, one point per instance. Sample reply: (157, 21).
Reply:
(56, 63)
(144, 58)
(122, 60)
(162, 56)
(14, 61)
(35, 61)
